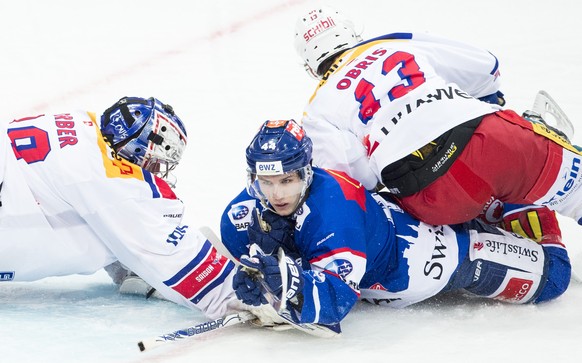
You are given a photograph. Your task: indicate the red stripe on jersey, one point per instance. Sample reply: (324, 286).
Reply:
(164, 188)
(336, 252)
(204, 273)
(351, 188)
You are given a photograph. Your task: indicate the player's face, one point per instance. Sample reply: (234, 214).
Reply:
(282, 191)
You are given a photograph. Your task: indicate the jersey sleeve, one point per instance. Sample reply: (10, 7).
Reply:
(473, 69)
(234, 222)
(141, 220)
(335, 252)
(154, 238)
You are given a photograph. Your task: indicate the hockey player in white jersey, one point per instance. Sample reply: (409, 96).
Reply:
(406, 110)
(76, 197)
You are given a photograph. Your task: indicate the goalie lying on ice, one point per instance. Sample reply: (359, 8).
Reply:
(79, 193)
(346, 244)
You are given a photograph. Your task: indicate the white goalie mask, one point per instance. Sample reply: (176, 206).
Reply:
(322, 33)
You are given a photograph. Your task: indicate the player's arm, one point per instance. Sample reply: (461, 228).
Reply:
(474, 69)
(339, 150)
(322, 292)
(149, 232)
(309, 296)
(234, 223)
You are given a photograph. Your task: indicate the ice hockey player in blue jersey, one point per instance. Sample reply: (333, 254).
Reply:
(312, 242)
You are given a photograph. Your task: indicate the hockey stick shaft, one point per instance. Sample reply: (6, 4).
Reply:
(196, 330)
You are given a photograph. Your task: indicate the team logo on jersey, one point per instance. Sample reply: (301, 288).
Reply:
(239, 211)
(478, 246)
(341, 267)
(240, 214)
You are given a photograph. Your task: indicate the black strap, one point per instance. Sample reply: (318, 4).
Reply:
(122, 105)
(155, 138)
(127, 116)
(415, 172)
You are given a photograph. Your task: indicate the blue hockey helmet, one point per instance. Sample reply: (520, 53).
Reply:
(145, 132)
(280, 147)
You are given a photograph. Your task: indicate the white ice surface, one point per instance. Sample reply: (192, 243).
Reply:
(226, 66)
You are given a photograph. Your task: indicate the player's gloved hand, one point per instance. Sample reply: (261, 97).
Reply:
(534, 222)
(276, 231)
(494, 98)
(247, 288)
(266, 268)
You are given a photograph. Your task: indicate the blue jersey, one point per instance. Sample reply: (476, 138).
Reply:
(354, 244)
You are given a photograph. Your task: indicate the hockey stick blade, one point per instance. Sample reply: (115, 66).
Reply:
(196, 330)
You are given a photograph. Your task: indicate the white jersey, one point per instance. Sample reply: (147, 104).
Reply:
(390, 96)
(68, 206)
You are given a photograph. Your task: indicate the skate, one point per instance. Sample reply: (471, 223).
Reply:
(546, 111)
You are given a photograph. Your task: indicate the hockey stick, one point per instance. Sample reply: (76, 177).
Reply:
(216, 242)
(196, 330)
(280, 304)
